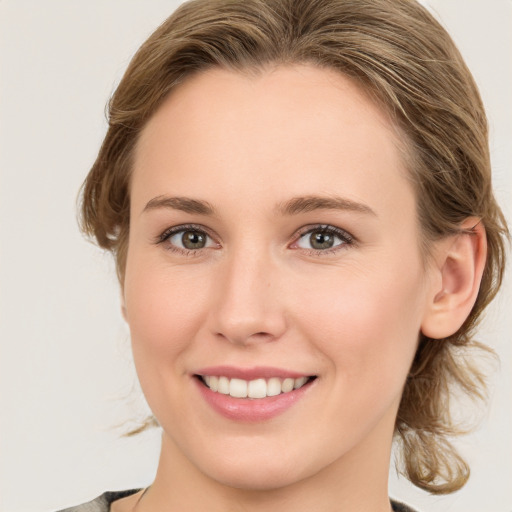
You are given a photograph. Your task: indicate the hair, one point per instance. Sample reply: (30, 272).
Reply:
(397, 52)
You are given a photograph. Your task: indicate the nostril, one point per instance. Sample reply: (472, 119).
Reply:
(240, 338)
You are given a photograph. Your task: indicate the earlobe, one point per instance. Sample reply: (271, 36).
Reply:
(123, 307)
(460, 264)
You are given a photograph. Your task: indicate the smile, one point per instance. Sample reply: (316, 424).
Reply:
(253, 389)
(253, 394)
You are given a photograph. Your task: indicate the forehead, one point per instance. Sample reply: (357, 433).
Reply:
(283, 131)
(219, 94)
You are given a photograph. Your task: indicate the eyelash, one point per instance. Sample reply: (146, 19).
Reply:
(326, 229)
(170, 232)
(346, 238)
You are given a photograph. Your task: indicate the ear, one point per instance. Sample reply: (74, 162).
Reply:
(459, 265)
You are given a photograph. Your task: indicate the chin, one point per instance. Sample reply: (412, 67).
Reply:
(257, 471)
(256, 479)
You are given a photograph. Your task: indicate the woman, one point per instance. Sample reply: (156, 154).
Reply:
(298, 198)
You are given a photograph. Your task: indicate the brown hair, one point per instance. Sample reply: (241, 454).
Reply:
(407, 62)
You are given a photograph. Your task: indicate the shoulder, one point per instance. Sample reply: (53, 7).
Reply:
(101, 503)
(401, 507)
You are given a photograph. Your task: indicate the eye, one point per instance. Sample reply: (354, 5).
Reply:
(186, 238)
(189, 239)
(323, 238)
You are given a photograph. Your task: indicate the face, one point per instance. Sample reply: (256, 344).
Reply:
(273, 245)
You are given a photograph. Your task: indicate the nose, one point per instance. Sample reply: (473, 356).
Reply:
(248, 306)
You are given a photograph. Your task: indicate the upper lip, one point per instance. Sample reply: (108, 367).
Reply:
(255, 372)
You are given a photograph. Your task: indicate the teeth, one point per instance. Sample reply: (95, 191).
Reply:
(258, 388)
(298, 382)
(214, 383)
(223, 385)
(287, 385)
(274, 386)
(238, 388)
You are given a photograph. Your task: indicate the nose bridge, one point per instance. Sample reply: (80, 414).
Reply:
(247, 308)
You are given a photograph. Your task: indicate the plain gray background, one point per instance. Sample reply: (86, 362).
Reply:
(65, 369)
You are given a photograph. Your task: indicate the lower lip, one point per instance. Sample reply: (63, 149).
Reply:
(251, 410)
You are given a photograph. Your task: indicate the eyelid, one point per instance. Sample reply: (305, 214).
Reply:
(164, 237)
(346, 237)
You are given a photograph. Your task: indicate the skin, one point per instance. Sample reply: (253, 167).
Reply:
(258, 293)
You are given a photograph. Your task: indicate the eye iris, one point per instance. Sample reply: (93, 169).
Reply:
(193, 240)
(321, 240)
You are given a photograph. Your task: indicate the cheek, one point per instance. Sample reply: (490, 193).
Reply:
(164, 312)
(165, 307)
(367, 324)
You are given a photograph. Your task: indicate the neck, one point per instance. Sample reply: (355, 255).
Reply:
(357, 482)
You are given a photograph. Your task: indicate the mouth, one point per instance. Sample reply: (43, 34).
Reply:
(255, 394)
(253, 389)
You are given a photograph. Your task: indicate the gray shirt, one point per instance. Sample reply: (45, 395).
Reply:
(102, 503)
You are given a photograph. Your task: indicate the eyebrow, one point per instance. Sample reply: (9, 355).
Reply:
(185, 204)
(306, 204)
(294, 206)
